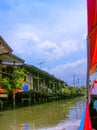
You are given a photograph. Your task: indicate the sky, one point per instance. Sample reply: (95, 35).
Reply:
(49, 34)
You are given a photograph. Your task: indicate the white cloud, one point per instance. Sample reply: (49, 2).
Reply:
(28, 36)
(66, 71)
(25, 40)
(70, 66)
(53, 51)
(50, 49)
(69, 46)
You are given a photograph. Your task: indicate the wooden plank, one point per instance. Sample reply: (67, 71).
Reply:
(3, 95)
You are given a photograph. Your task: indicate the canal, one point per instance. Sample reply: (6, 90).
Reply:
(57, 115)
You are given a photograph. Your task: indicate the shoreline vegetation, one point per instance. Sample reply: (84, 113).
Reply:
(30, 98)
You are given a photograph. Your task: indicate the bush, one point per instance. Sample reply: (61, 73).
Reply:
(5, 83)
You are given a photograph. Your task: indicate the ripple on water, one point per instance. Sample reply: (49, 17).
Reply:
(66, 125)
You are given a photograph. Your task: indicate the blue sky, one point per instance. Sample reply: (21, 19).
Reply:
(49, 31)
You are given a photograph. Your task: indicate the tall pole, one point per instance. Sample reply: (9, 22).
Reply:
(14, 89)
(74, 80)
(78, 81)
(1, 72)
(88, 67)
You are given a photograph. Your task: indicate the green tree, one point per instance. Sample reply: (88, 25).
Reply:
(5, 83)
(84, 89)
(67, 90)
(18, 78)
(73, 90)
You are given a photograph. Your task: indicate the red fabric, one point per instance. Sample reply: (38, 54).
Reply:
(92, 14)
(3, 90)
(87, 122)
(92, 34)
(17, 90)
(93, 51)
(95, 81)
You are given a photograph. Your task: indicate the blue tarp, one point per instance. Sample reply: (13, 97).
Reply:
(25, 88)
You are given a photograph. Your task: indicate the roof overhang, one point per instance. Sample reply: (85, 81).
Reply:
(4, 47)
(6, 53)
(8, 57)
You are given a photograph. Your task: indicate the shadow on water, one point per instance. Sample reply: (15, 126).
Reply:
(58, 115)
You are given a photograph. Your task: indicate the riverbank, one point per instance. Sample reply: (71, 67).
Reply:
(22, 99)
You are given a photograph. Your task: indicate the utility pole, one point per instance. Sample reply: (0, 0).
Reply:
(78, 81)
(74, 80)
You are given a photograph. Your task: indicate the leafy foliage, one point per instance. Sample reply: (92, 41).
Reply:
(5, 83)
(18, 78)
(73, 90)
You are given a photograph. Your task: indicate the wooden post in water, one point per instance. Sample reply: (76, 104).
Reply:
(1, 72)
(14, 91)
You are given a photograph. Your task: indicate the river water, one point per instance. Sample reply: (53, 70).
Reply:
(58, 115)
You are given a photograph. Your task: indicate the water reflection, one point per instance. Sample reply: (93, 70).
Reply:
(57, 115)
